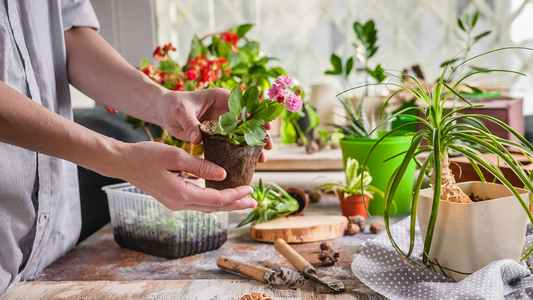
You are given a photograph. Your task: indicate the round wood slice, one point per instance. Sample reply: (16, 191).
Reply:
(300, 229)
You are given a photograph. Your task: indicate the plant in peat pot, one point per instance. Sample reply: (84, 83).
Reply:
(355, 195)
(459, 235)
(237, 139)
(275, 202)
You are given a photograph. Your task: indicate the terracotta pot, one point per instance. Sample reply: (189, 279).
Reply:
(300, 196)
(353, 205)
(239, 161)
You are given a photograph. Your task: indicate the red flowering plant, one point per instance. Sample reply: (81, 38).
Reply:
(229, 60)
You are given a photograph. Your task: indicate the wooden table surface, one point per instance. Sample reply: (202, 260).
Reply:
(100, 269)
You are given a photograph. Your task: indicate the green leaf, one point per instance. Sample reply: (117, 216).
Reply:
(277, 71)
(349, 66)
(197, 48)
(228, 122)
(251, 98)
(244, 113)
(480, 36)
(271, 116)
(134, 121)
(460, 23)
(336, 62)
(475, 89)
(241, 30)
(234, 101)
(144, 63)
(254, 135)
(474, 19)
(448, 62)
(219, 127)
(314, 120)
(323, 134)
(287, 132)
(329, 72)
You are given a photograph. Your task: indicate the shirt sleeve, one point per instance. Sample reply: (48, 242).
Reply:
(78, 13)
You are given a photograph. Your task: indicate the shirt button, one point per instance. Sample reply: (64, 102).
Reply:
(42, 218)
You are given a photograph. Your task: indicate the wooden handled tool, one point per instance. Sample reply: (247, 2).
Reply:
(280, 278)
(256, 272)
(307, 270)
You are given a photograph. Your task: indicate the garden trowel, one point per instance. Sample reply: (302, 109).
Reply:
(307, 270)
(280, 278)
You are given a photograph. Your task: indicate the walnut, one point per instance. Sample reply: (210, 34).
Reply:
(352, 229)
(359, 220)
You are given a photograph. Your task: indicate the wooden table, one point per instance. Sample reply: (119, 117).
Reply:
(100, 269)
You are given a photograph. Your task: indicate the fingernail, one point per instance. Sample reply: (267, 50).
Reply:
(194, 136)
(218, 173)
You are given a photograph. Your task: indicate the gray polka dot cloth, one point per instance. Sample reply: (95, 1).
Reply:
(380, 267)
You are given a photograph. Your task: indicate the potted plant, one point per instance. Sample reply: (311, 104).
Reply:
(457, 221)
(237, 139)
(355, 194)
(274, 202)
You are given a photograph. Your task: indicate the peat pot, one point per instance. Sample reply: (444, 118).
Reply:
(239, 161)
(469, 236)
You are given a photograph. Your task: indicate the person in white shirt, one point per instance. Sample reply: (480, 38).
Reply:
(44, 46)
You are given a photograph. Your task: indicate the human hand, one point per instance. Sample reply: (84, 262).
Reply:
(156, 169)
(181, 113)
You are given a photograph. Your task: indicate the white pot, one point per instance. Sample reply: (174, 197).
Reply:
(468, 237)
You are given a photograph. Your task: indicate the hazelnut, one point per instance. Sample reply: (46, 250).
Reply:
(325, 246)
(315, 195)
(359, 220)
(375, 228)
(353, 229)
(312, 147)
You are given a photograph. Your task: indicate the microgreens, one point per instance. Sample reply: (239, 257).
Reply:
(246, 116)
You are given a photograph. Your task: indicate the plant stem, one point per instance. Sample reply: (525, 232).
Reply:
(145, 128)
(450, 191)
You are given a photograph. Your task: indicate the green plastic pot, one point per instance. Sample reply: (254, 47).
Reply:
(380, 171)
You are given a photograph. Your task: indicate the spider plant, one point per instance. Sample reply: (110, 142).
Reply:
(273, 202)
(450, 130)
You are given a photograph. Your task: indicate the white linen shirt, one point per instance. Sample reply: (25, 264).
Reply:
(40, 218)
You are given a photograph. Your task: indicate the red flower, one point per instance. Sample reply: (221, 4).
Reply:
(160, 54)
(230, 37)
(148, 70)
(280, 98)
(168, 47)
(179, 85)
(222, 61)
(110, 110)
(191, 74)
(157, 77)
(167, 77)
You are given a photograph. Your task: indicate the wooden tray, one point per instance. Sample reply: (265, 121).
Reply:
(300, 229)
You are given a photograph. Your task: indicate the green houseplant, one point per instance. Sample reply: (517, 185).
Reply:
(274, 202)
(355, 194)
(457, 231)
(237, 139)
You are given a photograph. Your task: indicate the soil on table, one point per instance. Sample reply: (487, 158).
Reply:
(168, 246)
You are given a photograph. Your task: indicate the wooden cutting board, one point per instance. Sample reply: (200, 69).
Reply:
(300, 229)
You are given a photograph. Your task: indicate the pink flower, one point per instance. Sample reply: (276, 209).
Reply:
(284, 82)
(293, 103)
(275, 91)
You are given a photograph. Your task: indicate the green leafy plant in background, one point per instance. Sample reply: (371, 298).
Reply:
(357, 182)
(446, 130)
(465, 34)
(273, 202)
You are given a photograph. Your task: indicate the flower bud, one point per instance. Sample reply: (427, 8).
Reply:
(298, 92)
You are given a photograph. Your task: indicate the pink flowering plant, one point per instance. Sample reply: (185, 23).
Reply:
(247, 114)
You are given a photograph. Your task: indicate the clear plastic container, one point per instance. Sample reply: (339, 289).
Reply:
(143, 224)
